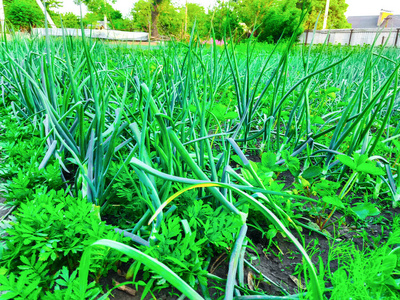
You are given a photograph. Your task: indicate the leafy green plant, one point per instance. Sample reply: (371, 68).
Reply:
(19, 288)
(327, 190)
(67, 287)
(180, 252)
(52, 231)
(367, 274)
(153, 264)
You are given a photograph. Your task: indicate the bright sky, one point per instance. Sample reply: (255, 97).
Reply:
(356, 7)
(371, 7)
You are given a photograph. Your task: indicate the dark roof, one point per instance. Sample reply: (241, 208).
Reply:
(393, 21)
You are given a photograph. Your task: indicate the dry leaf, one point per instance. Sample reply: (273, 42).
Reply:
(297, 282)
(250, 281)
(125, 288)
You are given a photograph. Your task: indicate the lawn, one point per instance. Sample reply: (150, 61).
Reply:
(248, 171)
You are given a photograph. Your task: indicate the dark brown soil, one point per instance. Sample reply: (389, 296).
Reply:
(108, 283)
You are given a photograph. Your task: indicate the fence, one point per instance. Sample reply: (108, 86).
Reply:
(353, 36)
(94, 33)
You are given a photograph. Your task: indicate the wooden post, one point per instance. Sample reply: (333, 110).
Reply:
(351, 33)
(397, 37)
(383, 40)
(329, 37)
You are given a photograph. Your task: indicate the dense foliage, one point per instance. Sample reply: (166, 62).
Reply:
(267, 20)
(336, 19)
(24, 14)
(208, 159)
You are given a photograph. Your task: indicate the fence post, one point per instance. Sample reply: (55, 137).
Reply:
(397, 37)
(351, 33)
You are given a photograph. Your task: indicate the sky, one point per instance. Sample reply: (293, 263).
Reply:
(371, 7)
(356, 7)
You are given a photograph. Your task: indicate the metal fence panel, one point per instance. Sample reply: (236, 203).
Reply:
(353, 36)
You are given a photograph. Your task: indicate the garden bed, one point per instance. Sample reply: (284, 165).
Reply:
(199, 171)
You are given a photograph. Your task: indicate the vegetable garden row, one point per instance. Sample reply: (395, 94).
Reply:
(247, 171)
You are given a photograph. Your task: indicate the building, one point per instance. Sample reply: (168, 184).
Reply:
(385, 19)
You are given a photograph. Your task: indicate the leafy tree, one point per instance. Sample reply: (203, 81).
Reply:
(196, 13)
(123, 24)
(252, 12)
(224, 19)
(115, 15)
(155, 11)
(99, 7)
(51, 4)
(69, 20)
(281, 19)
(171, 19)
(161, 14)
(24, 14)
(91, 18)
(102, 8)
(141, 13)
(336, 17)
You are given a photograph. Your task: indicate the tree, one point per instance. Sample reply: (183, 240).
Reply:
(157, 13)
(164, 18)
(115, 15)
(171, 20)
(154, 16)
(100, 7)
(51, 4)
(196, 13)
(123, 24)
(225, 20)
(252, 12)
(141, 13)
(91, 19)
(336, 17)
(69, 20)
(24, 14)
(281, 19)
(266, 19)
